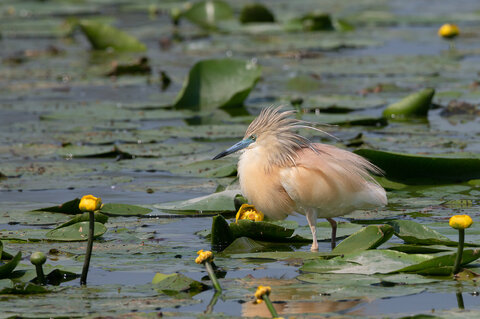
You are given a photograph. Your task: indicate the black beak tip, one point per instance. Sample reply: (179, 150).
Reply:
(222, 154)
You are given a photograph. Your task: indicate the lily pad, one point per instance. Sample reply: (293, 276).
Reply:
(103, 36)
(208, 168)
(207, 14)
(261, 230)
(243, 245)
(113, 209)
(6, 269)
(369, 237)
(416, 104)
(218, 83)
(99, 217)
(424, 169)
(75, 232)
(174, 283)
(419, 234)
(256, 13)
(221, 235)
(70, 207)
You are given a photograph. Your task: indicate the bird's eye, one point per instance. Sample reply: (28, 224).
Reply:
(253, 137)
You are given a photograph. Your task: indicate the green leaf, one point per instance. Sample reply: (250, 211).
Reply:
(23, 288)
(173, 283)
(70, 207)
(222, 235)
(216, 202)
(124, 210)
(243, 245)
(262, 230)
(103, 36)
(209, 168)
(429, 266)
(6, 269)
(418, 234)
(416, 104)
(284, 255)
(417, 249)
(256, 13)
(99, 217)
(217, 83)
(207, 14)
(369, 237)
(424, 169)
(75, 232)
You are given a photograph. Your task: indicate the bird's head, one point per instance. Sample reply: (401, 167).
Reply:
(275, 132)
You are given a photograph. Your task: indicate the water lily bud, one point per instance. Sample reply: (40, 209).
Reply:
(249, 212)
(204, 256)
(460, 221)
(90, 203)
(448, 31)
(38, 258)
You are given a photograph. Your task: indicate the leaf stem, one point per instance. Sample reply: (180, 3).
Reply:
(40, 274)
(213, 277)
(458, 259)
(88, 254)
(270, 307)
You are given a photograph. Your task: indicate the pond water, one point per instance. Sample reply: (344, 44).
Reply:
(59, 112)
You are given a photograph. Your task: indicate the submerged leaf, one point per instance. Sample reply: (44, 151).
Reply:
(103, 36)
(217, 83)
(423, 169)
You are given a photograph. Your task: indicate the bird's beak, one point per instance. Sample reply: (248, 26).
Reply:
(238, 146)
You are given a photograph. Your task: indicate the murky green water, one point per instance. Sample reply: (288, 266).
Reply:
(54, 94)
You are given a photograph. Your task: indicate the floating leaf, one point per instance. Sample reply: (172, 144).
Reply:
(324, 231)
(256, 13)
(442, 265)
(103, 36)
(99, 217)
(218, 168)
(222, 235)
(423, 169)
(23, 288)
(416, 104)
(6, 269)
(217, 202)
(369, 237)
(207, 14)
(243, 245)
(262, 230)
(70, 207)
(139, 67)
(315, 21)
(415, 233)
(75, 232)
(124, 210)
(174, 283)
(217, 83)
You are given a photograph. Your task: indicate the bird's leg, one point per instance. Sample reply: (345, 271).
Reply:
(312, 222)
(333, 223)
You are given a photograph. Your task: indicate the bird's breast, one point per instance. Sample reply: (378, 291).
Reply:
(261, 185)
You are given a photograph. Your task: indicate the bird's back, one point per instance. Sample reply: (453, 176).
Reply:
(331, 180)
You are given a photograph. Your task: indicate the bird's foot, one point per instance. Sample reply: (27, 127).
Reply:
(314, 248)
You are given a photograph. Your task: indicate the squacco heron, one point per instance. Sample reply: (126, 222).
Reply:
(282, 172)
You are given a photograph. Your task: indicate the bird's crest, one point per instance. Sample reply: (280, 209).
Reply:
(272, 121)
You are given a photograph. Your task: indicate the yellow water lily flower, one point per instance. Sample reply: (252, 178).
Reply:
(262, 291)
(448, 31)
(204, 256)
(249, 212)
(90, 203)
(460, 221)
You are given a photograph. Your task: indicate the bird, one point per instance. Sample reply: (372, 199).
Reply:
(281, 173)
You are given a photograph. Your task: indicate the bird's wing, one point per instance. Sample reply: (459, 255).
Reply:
(332, 180)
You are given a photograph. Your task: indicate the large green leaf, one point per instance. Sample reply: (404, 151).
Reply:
(208, 13)
(216, 202)
(6, 269)
(369, 237)
(99, 217)
(103, 36)
(217, 83)
(124, 210)
(75, 232)
(70, 207)
(243, 245)
(415, 233)
(424, 169)
(256, 13)
(260, 230)
(221, 235)
(169, 283)
(218, 168)
(416, 104)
